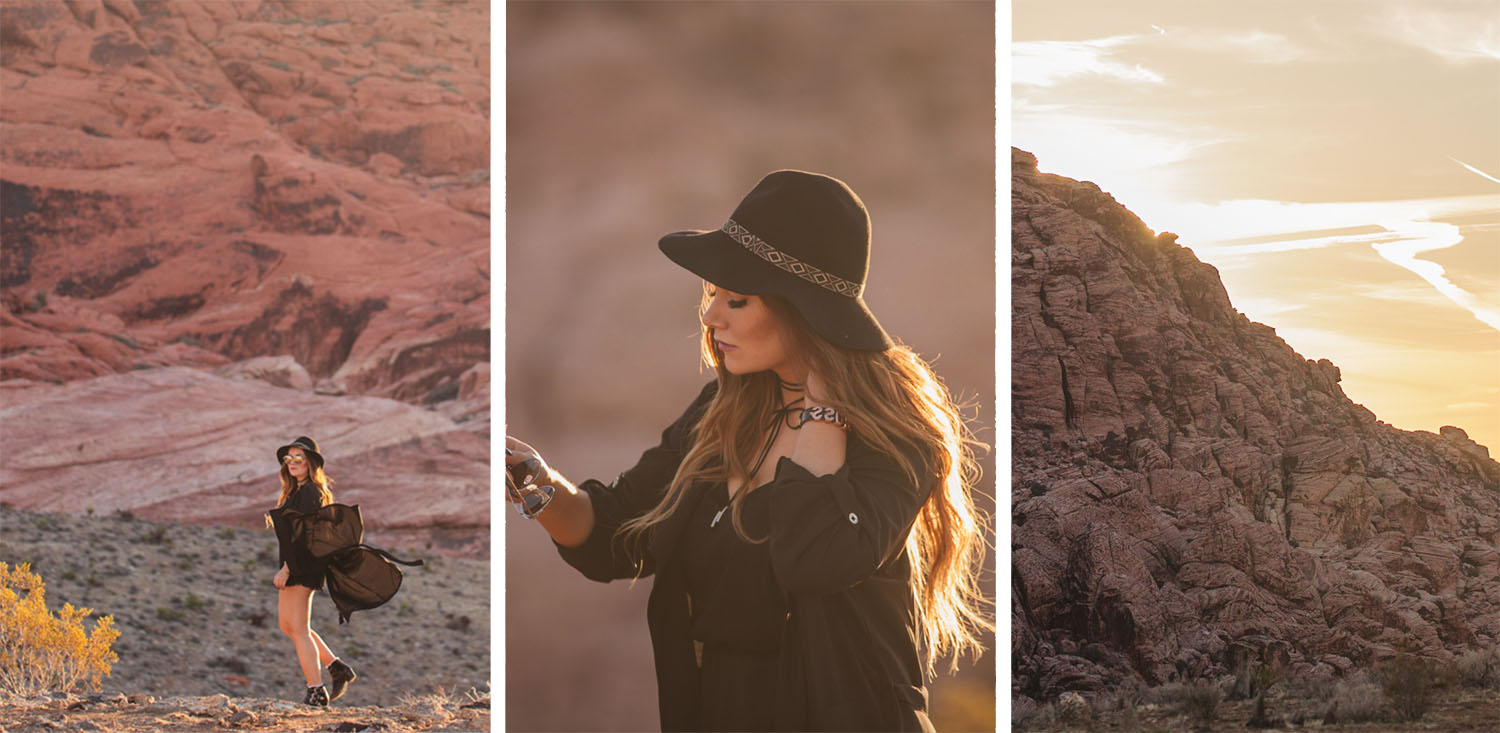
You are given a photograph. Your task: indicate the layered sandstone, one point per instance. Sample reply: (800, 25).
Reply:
(247, 179)
(200, 193)
(1189, 494)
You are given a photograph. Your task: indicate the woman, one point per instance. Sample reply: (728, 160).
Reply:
(304, 488)
(808, 518)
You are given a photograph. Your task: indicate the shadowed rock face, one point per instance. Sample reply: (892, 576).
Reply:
(1189, 493)
(230, 223)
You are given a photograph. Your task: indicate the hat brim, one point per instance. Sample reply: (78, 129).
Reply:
(719, 259)
(310, 453)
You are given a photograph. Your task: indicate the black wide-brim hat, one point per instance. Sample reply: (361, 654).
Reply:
(802, 236)
(309, 448)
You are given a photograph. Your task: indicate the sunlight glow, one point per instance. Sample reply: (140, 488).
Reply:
(1045, 63)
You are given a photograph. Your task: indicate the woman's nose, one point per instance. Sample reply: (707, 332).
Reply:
(713, 315)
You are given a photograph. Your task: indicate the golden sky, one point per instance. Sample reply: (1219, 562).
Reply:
(1338, 161)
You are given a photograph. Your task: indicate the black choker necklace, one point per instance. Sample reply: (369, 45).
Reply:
(779, 416)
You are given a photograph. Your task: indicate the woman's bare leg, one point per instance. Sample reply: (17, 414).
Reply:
(294, 608)
(325, 657)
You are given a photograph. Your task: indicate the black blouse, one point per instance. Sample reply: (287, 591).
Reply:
(737, 617)
(305, 498)
(845, 656)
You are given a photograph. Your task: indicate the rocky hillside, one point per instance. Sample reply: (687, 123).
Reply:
(197, 617)
(1190, 495)
(230, 223)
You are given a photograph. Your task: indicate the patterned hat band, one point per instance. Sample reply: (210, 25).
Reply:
(758, 247)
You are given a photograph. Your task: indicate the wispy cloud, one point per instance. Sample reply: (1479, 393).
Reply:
(1457, 33)
(1423, 236)
(1228, 223)
(1410, 228)
(1472, 169)
(1403, 293)
(1253, 46)
(1468, 405)
(1046, 63)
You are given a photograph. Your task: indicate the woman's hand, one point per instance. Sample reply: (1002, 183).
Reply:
(523, 467)
(821, 447)
(569, 517)
(281, 577)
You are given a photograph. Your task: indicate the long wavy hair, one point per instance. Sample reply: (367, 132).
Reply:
(315, 476)
(891, 399)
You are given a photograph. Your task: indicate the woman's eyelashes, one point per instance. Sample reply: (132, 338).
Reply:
(729, 300)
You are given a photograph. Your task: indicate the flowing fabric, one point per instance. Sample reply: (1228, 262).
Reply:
(329, 544)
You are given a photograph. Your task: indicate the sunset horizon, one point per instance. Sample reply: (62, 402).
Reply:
(1329, 164)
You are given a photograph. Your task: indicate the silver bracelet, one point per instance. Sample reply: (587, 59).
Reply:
(823, 414)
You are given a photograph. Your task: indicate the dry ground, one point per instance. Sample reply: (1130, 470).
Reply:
(143, 713)
(196, 613)
(1454, 708)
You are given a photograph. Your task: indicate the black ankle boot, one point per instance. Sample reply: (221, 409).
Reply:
(316, 697)
(341, 674)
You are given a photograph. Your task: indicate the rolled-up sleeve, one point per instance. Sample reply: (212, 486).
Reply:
(831, 532)
(603, 556)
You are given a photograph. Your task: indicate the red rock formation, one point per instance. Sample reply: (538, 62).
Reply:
(291, 191)
(253, 178)
(1189, 493)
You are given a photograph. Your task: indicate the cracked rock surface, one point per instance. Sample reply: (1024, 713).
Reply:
(1190, 494)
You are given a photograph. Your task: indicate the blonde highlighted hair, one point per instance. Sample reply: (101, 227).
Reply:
(893, 401)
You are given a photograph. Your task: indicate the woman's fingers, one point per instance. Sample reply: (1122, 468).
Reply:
(516, 445)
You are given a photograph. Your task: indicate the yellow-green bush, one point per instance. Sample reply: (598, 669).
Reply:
(40, 652)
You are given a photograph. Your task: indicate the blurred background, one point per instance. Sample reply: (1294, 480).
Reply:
(629, 120)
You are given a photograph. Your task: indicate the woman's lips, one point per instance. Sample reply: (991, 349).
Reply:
(725, 347)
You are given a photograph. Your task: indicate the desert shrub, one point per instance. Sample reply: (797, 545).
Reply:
(1354, 700)
(1198, 701)
(1125, 701)
(477, 698)
(40, 652)
(1480, 669)
(1260, 718)
(1250, 680)
(1407, 683)
(1201, 703)
(1025, 714)
(1073, 709)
